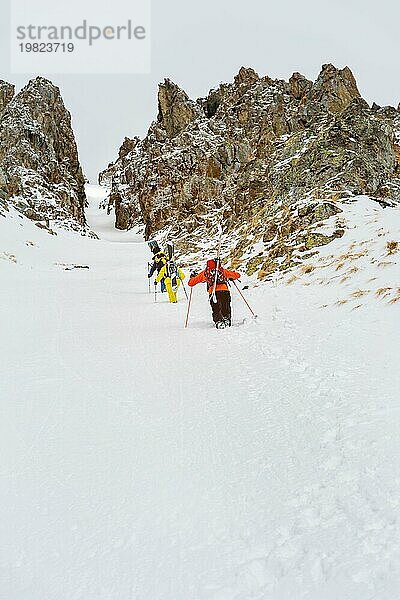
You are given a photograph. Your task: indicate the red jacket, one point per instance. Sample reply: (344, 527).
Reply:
(201, 278)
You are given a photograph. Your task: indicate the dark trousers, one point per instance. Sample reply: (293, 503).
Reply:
(221, 309)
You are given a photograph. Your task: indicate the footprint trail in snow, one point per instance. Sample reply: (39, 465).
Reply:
(142, 460)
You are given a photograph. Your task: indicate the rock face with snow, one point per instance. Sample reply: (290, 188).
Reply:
(40, 172)
(7, 92)
(269, 158)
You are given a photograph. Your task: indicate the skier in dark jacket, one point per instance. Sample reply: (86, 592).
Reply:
(220, 297)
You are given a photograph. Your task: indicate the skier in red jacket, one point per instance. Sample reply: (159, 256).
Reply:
(221, 300)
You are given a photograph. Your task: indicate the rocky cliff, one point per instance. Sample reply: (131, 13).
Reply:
(40, 173)
(271, 159)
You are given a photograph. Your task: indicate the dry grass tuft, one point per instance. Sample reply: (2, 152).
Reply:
(352, 269)
(396, 298)
(7, 256)
(359, 293)
(307, 269)
(392, 247)
(341, 302)
(383, 291)
(292, 279)
(352, 255)
(385, 263)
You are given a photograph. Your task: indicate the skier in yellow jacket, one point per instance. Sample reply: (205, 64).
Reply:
(172, 276)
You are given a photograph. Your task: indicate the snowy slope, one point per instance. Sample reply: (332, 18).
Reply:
(143, 461)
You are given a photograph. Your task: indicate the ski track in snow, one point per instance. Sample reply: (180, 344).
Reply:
(142, 461)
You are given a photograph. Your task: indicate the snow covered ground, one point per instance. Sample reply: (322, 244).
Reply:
(143, 461)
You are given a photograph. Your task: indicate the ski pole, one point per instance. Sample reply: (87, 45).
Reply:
(247, 304)
(184, 289)
(155, 291)
(188, 309)
(148, 271)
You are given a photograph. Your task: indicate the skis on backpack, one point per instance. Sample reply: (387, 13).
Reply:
(171, 250)
(172, 269)
(154, 247)
(213, 294)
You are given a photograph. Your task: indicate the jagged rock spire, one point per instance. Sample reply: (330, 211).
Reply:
(42, 175)
(300, 86)
(247, 76)
(335, 88)
(175, 109)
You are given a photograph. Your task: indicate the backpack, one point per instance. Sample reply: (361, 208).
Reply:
(160, 259)
(171, 270)
(210, 276)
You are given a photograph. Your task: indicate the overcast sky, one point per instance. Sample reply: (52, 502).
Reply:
(200, 44)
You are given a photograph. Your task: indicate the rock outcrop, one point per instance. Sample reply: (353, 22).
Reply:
(175, 109)
(334, 89)
(7, 91)
(40, 172)
(269, 158)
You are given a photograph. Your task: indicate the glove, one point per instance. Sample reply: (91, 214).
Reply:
(155, 282)
(148, 275)
(193, 274)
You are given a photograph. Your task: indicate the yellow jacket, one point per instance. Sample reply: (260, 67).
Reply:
(180, 274)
